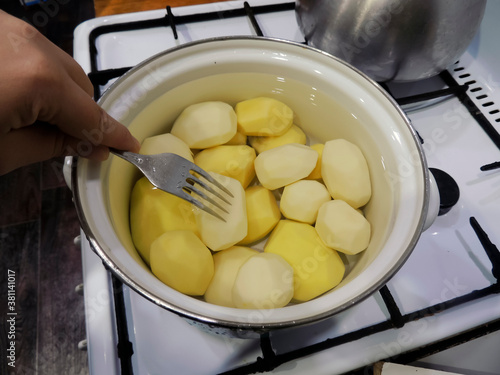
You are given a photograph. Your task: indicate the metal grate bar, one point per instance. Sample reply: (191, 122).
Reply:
(473, 110)
(272, 361)
(454, 90)
(170, 20)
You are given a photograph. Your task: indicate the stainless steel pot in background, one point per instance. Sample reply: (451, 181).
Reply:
(392, 40)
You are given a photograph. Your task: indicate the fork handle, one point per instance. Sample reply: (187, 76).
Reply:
(132, 157)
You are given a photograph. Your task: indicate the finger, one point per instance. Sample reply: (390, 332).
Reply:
(40, 143)
(84, 119)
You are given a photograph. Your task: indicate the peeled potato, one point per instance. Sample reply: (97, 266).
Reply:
(264, 281)
(263, 213)
(206, 124)
(345, 172)
(285, 164)
(166, 143)
(292, 135)
(316, 172)
(153, 212)
(227, 160)
(238, 139)
(263, 116)
(218, 234)
(317, 268)
(301, 200)
(342, 227)
(227, 264)
(182, 261)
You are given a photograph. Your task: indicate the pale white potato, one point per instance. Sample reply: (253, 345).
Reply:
(345, 172)
(302, 199)
(285, 164)
(264, 281)
(167, 142)
(206, 124)
(227, 263)
(342, 227)
(215, 233)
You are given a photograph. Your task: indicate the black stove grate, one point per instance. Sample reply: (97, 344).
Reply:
(269, 359)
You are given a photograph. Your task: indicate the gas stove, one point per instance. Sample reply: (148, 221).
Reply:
(446, 293)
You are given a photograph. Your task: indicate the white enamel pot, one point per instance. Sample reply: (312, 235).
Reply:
(331, 100)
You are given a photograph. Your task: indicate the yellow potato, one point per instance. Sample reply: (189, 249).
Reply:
(263, 116)
(317, 268)
(316, 172)
(227, 264)
(218, 234)
(166, 143)
(153, 212)
(342, 227)
(238, 139)
(285, 164)
(301, 200)
(292, 135)
(263, 213)
(227, 160)
(180, 260)
(345, 172)
(206, 124)
(264, 281)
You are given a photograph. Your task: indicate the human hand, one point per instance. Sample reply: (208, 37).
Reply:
(46, 105)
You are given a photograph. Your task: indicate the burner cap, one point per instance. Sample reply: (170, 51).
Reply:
(449, 193)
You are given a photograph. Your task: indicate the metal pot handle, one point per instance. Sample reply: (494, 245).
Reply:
(434, 202)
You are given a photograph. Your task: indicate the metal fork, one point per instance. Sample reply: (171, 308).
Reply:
(174, 174)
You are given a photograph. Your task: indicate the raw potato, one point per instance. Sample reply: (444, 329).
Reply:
(182, 261)
(264, 281)
(301, 200)
(263, 213)
(299, 261)
(227, 264)
(292, 135)
(316, 172)
(206, 124)
(263, 116)
(285, 164)
(231, 161)
(345, 172)
(317, 268)
(153, 212)
(238, 139)
(166, 143)
(342, 227)
(218, 234)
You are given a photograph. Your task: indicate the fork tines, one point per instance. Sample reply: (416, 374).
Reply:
(210, 187)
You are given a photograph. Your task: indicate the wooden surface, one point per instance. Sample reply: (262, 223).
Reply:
(108, 7)
(37, 227)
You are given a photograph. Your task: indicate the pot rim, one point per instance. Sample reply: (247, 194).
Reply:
(111, 265)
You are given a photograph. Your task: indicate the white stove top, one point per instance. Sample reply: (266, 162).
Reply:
(448, 262)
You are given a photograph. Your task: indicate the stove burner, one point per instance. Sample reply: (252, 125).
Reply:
(449, 193)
